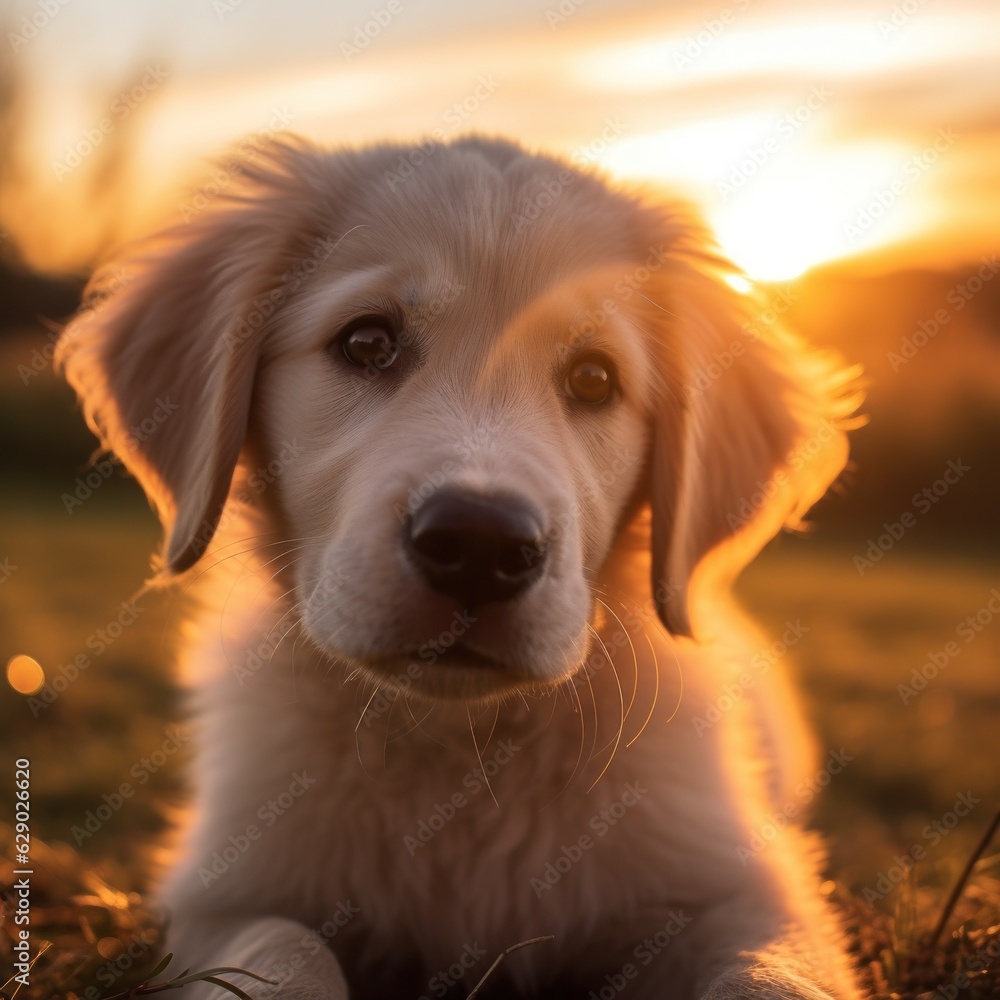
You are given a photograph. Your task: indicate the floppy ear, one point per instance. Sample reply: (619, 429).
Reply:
(748, 436)
(164, 358)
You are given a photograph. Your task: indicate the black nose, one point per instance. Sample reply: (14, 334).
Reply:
(476, 548)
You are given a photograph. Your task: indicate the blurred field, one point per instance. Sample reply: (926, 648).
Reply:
(865, 637)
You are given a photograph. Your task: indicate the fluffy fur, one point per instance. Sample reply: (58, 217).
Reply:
(391, 788)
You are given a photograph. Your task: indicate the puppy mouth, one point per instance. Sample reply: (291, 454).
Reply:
(461, 654)
(459, 672)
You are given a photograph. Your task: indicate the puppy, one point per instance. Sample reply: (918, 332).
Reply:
(461, 448)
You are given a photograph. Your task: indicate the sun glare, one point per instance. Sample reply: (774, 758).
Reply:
(818, 208)
(699, 152)
(778, 203)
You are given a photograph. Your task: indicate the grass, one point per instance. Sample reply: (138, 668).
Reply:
(861, 636)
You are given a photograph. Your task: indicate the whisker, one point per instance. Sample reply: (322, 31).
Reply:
(654, 625)
(593, 702)
(635, 661)
(361, 717)
(357, 736)
(621, 722)
(578, 711)
(486, 778)
(208, 567)
(680, 685)
(657, 304)
(419, 723)
(388, 728)
(496, 719)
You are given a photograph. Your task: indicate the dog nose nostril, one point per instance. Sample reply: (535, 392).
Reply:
(475, 548)
(442, 549)
(519, 558)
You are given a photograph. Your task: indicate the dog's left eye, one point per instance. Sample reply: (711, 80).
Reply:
(591, 379)
(370, 343)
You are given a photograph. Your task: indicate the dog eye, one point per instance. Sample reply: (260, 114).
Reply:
(591, 379)
(370, 343)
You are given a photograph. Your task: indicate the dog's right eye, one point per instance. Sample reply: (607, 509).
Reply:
(370, 343)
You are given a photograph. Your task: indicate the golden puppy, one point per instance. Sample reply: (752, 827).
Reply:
(467, 446)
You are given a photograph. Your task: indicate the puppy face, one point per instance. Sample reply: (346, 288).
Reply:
(467, 458)
(483, 371)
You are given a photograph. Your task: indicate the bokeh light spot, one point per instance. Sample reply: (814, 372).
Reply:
(25, 674)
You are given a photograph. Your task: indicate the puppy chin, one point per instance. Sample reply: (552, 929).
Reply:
(421, 642)
(462, 672)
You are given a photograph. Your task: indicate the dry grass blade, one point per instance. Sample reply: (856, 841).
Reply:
(963, 879)
(501, 957)
(208, 976)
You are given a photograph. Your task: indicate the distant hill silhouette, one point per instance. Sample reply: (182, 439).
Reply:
(929, 343)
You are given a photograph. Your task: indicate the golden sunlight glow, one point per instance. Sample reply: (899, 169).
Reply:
(700, 152)
(818, 208)
(826, 92)
(778, 200)
(821, 47)
(25, 674)
(738, 282)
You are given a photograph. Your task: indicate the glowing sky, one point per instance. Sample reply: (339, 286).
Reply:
(805, 132)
